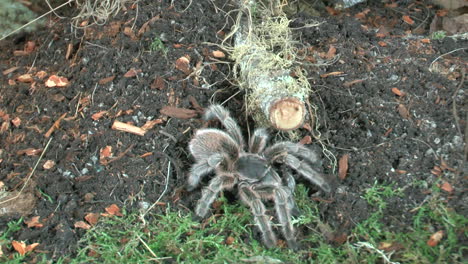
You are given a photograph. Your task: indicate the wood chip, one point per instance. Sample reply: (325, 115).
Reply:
(113, 209)
(106, 80)
(398, 92)
(56, 81)
(408, 20)
(351, 83)
(176, 112)
(306, 140)
(82, 225)
(343, 166)
(92, 218)
(8, 71)
(49, 164)
(25, 78)
(218, 54)
(331, 74)
(117, 125)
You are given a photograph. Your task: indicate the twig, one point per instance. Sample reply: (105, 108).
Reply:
(450, 52)
(149, 249)
(31, 174)
(380, 252)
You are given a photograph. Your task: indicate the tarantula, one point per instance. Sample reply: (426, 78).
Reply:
(252, 171)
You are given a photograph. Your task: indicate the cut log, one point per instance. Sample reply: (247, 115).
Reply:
(264, 56)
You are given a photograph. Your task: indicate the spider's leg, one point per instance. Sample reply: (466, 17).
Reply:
(252, 199)
(283, 211)
(305, 170)
(291, 183)
(202, 168)
(279, 149)
(232, 128)
(258, 141)
(210, 192)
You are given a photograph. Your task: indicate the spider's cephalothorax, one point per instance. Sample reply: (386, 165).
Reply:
(251, 170)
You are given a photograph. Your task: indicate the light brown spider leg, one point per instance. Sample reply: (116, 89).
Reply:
(232, 128)
(283, 211)
(210, 192)
(258, 141)
(252, 199)
(202, 168)
(305, 170)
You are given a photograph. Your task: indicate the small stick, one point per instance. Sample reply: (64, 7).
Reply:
(121, 126)
(55, 126)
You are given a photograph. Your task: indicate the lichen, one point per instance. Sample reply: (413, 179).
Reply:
(13, 15)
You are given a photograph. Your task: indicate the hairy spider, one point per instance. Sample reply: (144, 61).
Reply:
(252, 171)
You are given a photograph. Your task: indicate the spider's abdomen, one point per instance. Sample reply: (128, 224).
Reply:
(252, 167)
(211, 141)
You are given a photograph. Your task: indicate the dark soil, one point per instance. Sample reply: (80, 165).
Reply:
(390, 139)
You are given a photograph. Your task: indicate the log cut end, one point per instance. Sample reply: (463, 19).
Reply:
(287, 114)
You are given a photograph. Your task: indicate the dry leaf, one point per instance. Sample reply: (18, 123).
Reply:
(105, 152)
(158, 83)
(92, 218)
(435, 238)
(175, 112)
(331, 52)
(132, 73)
(56, 81)
(382, 43)
(343, 166)
(82, 224)
(20, 247)
(113, 209)
(408, 20)
(33, 222)
(403, 111)
(98, 115)
(31, 247)
(218, 54)
(447, 187)
(183, 64)
(230, 240)
(49, 164)
(16, 121)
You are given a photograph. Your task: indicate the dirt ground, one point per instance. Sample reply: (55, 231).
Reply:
(386, 95)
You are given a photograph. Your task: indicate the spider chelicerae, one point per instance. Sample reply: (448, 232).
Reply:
(252, 171)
